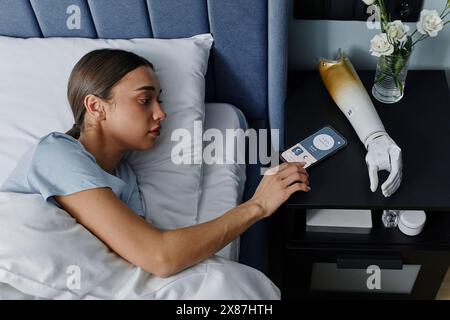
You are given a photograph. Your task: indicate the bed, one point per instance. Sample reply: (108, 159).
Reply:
(247, 65)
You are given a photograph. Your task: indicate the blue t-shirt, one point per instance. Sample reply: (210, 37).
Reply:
(60, 165)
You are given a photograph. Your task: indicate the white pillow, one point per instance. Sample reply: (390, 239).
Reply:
(223, 184)
(33, 82)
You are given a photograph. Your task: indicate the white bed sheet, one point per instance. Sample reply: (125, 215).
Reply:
(10, 293)
(39, 242)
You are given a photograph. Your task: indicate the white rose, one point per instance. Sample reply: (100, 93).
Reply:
(369, 2)
(396, 30)
(380, 45)
(430, 23)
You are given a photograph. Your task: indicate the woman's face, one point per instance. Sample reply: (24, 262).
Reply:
(135, 113)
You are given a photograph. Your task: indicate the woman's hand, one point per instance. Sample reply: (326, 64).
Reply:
(278, 184)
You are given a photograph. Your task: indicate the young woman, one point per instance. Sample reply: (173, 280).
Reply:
(114, 95)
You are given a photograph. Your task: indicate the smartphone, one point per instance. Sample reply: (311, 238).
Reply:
(316, 147)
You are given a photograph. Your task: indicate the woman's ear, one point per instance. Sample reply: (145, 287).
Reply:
(95, 107)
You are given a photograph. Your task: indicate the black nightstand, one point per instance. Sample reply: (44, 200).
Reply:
(419, 123)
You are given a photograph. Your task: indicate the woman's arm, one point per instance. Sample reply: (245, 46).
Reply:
(164, 253)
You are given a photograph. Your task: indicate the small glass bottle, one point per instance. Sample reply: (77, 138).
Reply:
(390, 218)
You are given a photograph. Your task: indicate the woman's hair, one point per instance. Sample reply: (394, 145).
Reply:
(96, 73)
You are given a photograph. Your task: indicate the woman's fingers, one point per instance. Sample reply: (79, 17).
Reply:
(296, 176)
(291, 168)
(278, 169)
(279, 183)
(297, 187)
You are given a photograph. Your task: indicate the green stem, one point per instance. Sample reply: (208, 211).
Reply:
(444, 14)
(393, 66)
(447, 6)
(423, 37)
(380, 78)
(391, 41)
(383, 16)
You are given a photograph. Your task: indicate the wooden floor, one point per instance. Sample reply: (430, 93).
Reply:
(444, 292)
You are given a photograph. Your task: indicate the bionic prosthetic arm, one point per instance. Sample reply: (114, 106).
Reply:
(348, 92)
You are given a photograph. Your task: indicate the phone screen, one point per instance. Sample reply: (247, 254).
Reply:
(316, 147)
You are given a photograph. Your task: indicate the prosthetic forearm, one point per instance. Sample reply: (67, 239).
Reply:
(346, 89)
(348, 92)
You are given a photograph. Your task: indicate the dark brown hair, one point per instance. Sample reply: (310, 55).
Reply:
(96, 73)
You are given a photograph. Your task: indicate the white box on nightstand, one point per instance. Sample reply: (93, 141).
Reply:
(339, 220)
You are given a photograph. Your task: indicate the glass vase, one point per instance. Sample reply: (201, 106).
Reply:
(390, 78)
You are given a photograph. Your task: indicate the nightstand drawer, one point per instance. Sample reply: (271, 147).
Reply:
(436, 233)
(362, 273)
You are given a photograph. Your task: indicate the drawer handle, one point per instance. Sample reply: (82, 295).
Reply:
(362, 262)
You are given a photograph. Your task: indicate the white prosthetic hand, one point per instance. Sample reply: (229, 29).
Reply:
(348, 92)
(384, 154)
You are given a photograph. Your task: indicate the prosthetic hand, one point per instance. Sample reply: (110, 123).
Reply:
(348, 92)
(384, 154)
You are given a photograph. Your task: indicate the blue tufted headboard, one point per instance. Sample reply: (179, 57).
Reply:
(247, 67)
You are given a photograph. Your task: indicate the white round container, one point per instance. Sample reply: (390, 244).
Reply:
(411, 222)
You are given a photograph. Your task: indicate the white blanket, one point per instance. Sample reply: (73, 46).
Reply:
(45, 253)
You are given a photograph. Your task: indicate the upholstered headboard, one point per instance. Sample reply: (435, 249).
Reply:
(247, 66)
